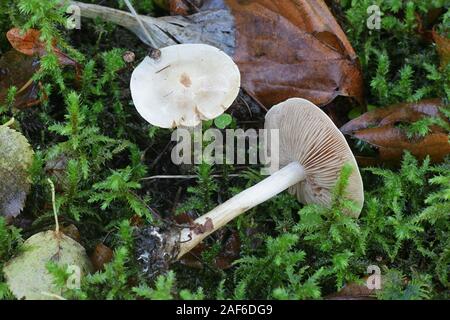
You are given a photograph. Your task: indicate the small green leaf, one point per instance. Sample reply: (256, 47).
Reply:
(223, 121)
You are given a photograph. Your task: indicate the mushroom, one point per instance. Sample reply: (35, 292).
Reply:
(312, 154)
(187, 84)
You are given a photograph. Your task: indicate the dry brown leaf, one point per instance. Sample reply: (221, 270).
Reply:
(380, 129)
(101, 256)
(288, 49)
(16, 158)
(443, 48)
(17, 70)
(229, 252)
(72, 232)
(29, 43)
(353, 291)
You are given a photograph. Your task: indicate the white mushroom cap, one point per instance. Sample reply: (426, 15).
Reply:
(187, 84)
(307, 135)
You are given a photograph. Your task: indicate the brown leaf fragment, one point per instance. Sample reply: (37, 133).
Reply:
(229, 253)
(29, 43)
(16, 158)
(380, 128)
(387, 115)
(288, 49)
(353, 291)
(72, 232)
(193, 259)
(391, 142)
(101, 256)
(17, 70)
(443, 48)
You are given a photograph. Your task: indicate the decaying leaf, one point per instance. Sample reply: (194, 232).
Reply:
(443, 48)
(284, 48)
(16, 157)
(72, 232)
(354, 291)
(27, 275)
(101, 256)
(382, 129)
(57, 169)
(291, 49)
(29, 43)
(17, 70)
(229, 252)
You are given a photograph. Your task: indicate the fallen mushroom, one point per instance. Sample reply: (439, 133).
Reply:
(187, 84)
(312, 154)
(27, 275)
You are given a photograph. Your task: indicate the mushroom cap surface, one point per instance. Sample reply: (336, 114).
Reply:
(187, 84)
(307, 135)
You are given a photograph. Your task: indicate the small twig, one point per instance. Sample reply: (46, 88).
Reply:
(155, 53)
(248, 107)
(160, 155)
(55, 214)
(52, 295)
(251, 95)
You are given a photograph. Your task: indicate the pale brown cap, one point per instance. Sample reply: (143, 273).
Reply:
(307, 135)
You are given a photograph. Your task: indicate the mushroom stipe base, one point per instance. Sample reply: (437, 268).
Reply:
(155, 250)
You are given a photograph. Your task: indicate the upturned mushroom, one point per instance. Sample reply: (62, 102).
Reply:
(187, 84)
(312, 154)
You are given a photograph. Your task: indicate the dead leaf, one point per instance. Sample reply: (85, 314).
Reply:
(288, 49)
(16, 158)
(380, 129)
(29, 43)
(57, 169)
(229, 252)
(193, 259)
(17, 70)
(443, 48)
(101, 256)
(353, 291)
(72, 232)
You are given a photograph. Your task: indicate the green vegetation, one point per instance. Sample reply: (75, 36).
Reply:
(288, 251)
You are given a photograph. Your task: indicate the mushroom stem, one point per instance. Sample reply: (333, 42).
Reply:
(288, 176)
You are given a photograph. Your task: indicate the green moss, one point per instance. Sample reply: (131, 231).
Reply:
(288, 251)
